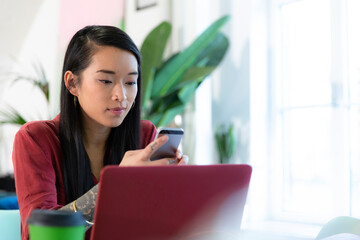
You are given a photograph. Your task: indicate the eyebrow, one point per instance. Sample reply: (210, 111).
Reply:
(112, 72)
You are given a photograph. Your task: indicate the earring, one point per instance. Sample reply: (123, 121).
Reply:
(75, 101)
(133, 104)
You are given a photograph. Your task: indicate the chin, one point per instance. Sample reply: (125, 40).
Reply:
(114, 124)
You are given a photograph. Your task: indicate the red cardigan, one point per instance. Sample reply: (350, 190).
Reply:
(38, 166)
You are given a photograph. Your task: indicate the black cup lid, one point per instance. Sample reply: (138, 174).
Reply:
(44, 217)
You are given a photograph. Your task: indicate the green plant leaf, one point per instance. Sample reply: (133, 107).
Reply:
(169, 101)
(170, 114)
(186, 93)
(171, 105)
(155, 119)
(213, 54)
(154, 44)
(193, 77)
(147, 83)
(177, 78)
(11, 116)
(152, 51)
(205, 63)
(41, 80)
(225, 142)
(169, 74)
(193, 74)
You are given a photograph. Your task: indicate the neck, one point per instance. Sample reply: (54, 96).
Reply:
(95, 136)
(96, 139)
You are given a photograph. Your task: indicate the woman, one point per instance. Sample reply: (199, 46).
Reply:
(57, 163)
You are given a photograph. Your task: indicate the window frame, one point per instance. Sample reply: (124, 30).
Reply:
(276, 162)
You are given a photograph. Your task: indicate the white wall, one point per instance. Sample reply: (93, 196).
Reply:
(138, 23)
(29, 36)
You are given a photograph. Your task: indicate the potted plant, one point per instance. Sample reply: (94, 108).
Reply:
(225, 142)
(10, 115)
(168, 85)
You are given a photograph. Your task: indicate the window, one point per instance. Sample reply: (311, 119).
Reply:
(313, 107)
(354, 104)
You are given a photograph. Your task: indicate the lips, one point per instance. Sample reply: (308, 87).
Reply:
(117, 110)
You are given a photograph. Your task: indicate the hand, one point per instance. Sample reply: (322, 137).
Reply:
(180, 158)
(142, 157)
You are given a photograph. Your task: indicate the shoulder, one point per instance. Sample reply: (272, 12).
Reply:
(147, 133)
(146, 125)
(36, 145)
(42, 131)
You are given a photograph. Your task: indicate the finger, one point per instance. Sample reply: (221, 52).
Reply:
(173, 161)
(132, 152)
(152, 147)
(159, 162)
(179, 154)
(165, 161)
(184, 160)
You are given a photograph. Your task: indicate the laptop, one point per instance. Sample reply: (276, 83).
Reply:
(171, 202)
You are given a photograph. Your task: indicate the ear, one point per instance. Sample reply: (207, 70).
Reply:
(70, 80)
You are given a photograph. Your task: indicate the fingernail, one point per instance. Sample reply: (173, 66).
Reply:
(171, 161)
(163, 138)
(186, 159)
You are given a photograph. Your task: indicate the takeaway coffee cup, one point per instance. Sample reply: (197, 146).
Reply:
(56, 225)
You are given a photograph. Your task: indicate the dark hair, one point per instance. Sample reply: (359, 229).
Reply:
(76, 164)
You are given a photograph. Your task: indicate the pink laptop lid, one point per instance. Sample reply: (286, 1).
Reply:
(171, 202)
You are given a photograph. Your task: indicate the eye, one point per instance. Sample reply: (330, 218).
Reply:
(105, 81)
(131, 83)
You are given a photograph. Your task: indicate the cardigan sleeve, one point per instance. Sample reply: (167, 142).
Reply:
(37, 168)
(34, 169)
(147, 133)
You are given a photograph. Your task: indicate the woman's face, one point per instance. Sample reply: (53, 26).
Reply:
(108, 87)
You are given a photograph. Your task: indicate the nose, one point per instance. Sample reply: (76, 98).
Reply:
(119, 93)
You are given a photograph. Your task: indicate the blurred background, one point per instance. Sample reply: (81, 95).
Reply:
(288, 87)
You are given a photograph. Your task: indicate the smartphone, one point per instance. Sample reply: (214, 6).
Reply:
(168, 150)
